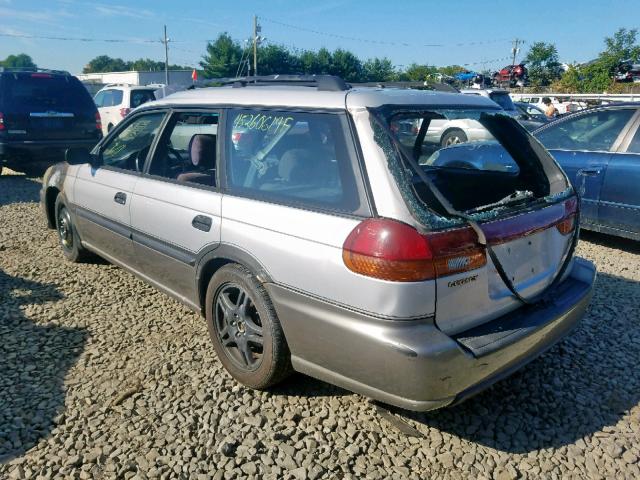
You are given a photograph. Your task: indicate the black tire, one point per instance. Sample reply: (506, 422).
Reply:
(237, 327)
(109, 127)
(68, 235)
(453, 137)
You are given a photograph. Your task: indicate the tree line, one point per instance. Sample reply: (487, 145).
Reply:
(226, 57)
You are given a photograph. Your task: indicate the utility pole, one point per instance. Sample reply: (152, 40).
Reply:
(165, 40)
(256, 30)
(515, 49)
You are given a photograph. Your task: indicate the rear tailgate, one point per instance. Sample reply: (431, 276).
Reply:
(531, 248)
(42, 106)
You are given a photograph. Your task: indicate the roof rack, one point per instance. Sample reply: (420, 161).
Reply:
(328, 83)
(33, 69)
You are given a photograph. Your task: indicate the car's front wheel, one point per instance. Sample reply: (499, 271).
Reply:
(67, 234)
(245, 329)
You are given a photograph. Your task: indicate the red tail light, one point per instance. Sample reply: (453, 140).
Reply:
(568, 222)
(41, 75)
(391, 250)
(124, 112)
(2, 121)
(98, 121)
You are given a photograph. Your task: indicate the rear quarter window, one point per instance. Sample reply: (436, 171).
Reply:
(138, 97)
(299, 159)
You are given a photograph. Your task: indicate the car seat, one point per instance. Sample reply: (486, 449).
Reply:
(202, 155)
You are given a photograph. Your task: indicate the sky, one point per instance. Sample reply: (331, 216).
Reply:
(477, 33)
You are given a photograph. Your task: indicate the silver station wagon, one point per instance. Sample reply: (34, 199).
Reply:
(317, 228)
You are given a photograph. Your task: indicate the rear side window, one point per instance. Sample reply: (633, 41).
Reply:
(112, 98)
(595, 131)
(292, 158)
(634, 146)
(138, 97)
(34, 92)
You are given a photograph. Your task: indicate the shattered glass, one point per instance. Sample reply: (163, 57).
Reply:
(403, 176)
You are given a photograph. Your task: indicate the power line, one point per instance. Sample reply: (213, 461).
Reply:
(383, 42)
(80, 39)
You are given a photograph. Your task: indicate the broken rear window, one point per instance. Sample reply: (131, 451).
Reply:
(482, 161)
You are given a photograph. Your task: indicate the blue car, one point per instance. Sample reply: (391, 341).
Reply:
(599, 149)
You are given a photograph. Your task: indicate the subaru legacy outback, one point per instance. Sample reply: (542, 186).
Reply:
(313, 237)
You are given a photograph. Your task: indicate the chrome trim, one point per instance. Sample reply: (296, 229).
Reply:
(52, 114)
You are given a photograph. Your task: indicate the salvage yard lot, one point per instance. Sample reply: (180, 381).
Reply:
(101, 376)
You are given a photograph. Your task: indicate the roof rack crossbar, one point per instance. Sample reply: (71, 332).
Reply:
(329, 83)
(32, 69)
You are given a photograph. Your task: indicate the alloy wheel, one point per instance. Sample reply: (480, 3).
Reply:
(65, 231)
(239, 326)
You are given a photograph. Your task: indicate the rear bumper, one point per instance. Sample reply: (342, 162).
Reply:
(414, 365)
(9, 148)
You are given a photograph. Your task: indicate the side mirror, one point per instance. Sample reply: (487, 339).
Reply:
(79, 156)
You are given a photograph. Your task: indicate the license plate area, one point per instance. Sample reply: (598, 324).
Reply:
(528, 261)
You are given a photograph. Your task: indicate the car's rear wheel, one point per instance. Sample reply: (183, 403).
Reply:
(453, 137)
(245, 329)
(68, 235)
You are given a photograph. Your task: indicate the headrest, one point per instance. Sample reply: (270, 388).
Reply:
(296, 165)
(202, 150)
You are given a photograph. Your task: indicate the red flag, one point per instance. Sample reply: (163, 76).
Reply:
(194, 75)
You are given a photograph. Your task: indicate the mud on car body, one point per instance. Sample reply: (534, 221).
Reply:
(317, 231)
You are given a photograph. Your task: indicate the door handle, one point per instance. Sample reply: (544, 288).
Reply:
(120, 198)
(589, 172)
(201, 222)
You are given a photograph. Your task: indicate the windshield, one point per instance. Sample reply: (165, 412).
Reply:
(477, 158)
(502, 99)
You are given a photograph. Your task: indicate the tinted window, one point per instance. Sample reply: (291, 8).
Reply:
(129, 147)
(187, 150)
(292, 157)
(43, 92)
(595, 131)
(112, 98)
(138, 97)
(502, 99)
(99, 99)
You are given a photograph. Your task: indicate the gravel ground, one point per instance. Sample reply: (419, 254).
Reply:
(102, 376)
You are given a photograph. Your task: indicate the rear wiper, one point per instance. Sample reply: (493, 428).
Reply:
(516, 197)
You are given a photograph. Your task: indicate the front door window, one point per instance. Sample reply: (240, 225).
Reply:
(129, 148)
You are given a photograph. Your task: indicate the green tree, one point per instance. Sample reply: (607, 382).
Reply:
(379, 70)
(597, 76)
(273, 59)
(318, 63)
(418, 73)
(451, 70)
(104, 63)
(222, 58)
(542, 63)
(347, 66)
(22, 60)
(622, 46)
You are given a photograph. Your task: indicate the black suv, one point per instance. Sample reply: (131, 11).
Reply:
(42, 113)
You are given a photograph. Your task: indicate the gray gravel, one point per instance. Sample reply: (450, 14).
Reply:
(101, 376)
